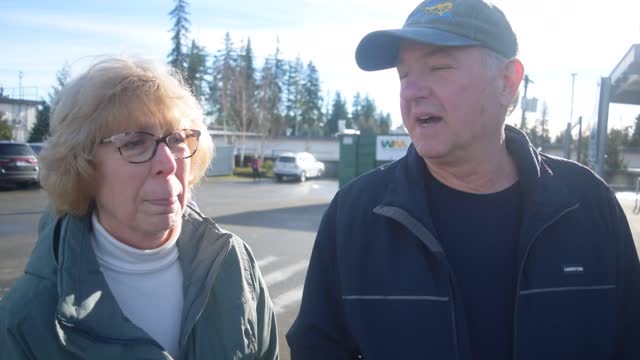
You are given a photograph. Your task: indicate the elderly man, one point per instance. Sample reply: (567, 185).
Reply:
(473, 245)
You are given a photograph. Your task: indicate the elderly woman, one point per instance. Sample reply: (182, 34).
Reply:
(123, 267)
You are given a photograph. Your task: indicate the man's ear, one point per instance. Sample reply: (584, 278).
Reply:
(511, 76)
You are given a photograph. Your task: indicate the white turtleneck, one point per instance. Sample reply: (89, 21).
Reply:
(147, 284)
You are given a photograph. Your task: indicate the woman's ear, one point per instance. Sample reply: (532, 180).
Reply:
(511, 76)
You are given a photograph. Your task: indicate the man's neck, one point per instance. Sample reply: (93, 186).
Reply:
(486, 174)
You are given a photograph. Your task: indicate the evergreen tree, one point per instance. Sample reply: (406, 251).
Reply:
(338, 112)
(196, 69)
(584, 150)
(543, 125)
(5, 128)
(293, 95)
(180, 38)
(62, 77)
(311, 117)
(368, 121)
(384, 123)
(244, 90)
(613, 161)
(40, 130)
(221, 88)
(539, 132)
(270, 121)
(635, 137)
(245, 95)
(355, 112)
(280, 73)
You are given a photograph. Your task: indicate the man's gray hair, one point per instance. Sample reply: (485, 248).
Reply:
(493, 61)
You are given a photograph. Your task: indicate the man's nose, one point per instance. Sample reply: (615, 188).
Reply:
(413, 87)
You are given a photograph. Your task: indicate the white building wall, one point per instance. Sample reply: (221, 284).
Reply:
(21, 117)
(322, 149)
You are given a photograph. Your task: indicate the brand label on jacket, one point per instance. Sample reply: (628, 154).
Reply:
(572, 269)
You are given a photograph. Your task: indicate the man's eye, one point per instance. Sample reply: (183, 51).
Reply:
(440, 67)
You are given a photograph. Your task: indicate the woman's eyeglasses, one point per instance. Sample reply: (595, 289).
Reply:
(138, 146)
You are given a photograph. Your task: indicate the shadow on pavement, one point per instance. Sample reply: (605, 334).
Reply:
(302, 218)
(14, 187)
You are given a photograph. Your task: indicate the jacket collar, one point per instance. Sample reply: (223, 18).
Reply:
(202, 246)
(89, 321)
(407, 189)
(544, 196)
(88, 314)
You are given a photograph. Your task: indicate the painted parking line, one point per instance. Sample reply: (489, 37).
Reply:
(287, 299)
(283, 274)
(266, 261)
(626, 195)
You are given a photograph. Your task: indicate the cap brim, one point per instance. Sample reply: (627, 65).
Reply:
(378, 50)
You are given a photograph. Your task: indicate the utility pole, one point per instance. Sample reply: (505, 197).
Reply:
(18, 120)
(573, 83)
(567, 136)
(579, 138)
(20, 85)
(523, 121)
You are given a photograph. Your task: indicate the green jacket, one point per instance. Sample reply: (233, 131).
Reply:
(62, 307)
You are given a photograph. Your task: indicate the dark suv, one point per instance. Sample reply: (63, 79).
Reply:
(18, 164)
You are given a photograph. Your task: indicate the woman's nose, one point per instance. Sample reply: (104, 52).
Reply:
(164, 162)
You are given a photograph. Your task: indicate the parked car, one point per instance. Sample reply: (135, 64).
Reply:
(18, 164)
(301, 166)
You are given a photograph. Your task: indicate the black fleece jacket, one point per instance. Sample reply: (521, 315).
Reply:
(379, 285)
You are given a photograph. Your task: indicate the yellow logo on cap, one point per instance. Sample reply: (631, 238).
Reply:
(439, 9)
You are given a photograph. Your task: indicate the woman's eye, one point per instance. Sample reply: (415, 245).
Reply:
(176, 140)
(134, 143)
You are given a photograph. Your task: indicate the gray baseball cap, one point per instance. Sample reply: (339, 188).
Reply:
(442, 23)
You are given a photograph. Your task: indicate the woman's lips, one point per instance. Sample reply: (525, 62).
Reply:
(163, 202)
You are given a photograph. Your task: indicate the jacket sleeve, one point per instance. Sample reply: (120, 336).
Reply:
(319, 331)
(10, 345)
(267, 329)
(628, 336)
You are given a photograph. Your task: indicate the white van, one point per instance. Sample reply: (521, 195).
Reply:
(297, 165)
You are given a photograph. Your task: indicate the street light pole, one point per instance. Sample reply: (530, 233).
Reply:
(525, 105)
(573, 83)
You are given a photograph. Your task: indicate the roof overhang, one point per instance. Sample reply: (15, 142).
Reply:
(9, 101)
(625, 78)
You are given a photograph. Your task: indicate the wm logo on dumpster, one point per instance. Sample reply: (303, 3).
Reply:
(394, 144)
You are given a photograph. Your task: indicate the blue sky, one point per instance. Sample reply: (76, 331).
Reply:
(557, 38)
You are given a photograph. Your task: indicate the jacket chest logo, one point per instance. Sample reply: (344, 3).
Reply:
(573, 269)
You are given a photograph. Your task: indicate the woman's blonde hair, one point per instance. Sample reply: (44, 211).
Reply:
(114, 95)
